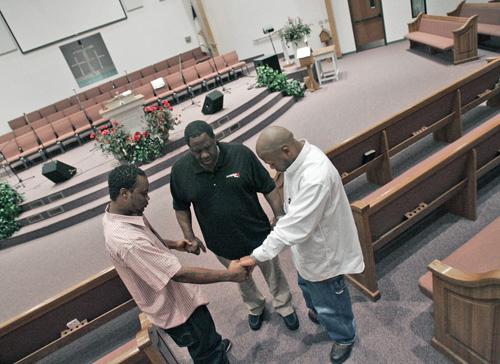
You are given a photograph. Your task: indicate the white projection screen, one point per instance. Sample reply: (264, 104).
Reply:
(38, 23)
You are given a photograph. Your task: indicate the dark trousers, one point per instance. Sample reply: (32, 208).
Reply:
(199, 335)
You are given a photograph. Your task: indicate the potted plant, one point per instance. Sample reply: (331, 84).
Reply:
(296, 32)
(9, 210)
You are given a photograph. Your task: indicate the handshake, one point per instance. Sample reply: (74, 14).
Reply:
(241, 269)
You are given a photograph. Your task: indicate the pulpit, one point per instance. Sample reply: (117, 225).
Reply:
(127, 109)
(306, 60)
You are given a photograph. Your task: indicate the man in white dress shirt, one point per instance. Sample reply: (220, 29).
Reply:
(319, 227)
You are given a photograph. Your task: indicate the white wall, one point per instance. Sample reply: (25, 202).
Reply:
(236, 24)
(397, 15)
(441, 7)
(150, 34)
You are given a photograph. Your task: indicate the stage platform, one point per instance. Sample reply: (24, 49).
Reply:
(49, 207)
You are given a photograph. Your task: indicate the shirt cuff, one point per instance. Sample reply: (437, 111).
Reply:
(269, 249)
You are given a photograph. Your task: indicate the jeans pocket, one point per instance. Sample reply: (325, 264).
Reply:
(339, 285)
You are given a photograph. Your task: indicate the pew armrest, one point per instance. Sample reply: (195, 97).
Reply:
(457, 10)
(415, 24)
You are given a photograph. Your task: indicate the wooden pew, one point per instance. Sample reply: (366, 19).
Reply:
(42, 330)
(440, 114)
(466, 314)
(488, 22)
(444, 33)
(465, 287)
(447, 178)
(148, 346)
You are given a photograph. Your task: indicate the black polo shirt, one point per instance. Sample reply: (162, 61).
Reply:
(225, 201)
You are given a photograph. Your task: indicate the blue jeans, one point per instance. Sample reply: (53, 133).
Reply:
(331, 301)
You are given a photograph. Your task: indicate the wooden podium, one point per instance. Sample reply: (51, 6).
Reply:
(127, 109)
(306, 60)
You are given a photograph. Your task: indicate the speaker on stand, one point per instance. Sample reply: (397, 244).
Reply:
(213, 102)
(58, 171)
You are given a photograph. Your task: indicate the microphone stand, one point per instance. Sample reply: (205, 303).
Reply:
(190, 90)
(224, 89)
(20, 181)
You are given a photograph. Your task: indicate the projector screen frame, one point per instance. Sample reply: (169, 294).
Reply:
(64, 38)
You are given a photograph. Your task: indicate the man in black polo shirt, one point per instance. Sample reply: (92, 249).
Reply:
(221, 181)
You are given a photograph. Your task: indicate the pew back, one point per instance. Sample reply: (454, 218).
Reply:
(439, 114)
(39, 331)
(447, 178)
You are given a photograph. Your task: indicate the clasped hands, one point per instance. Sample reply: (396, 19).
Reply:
(242, 268)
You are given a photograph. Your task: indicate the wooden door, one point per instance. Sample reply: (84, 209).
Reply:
(367, 23)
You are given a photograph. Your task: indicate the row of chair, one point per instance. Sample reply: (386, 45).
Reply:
(129, 81)
(38, 131)
(35, 140)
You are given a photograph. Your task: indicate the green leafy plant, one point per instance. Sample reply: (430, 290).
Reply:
(10, 200)
(139, 147)
(294, 31)
(278, 81)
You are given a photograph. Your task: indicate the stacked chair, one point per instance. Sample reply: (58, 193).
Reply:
(57, 125)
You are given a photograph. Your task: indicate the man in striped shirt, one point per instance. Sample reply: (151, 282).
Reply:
(154, 276)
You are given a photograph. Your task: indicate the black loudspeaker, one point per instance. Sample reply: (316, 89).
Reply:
(213, 102)
(271, 61)
(58, 171)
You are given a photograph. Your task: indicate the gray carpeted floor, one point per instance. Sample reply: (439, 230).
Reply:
(396, 329)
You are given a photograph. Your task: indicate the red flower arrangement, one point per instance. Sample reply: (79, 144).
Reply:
(139, 147)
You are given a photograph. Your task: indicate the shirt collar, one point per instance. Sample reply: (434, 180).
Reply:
(220, 161)
(135, 220)
(297, 163)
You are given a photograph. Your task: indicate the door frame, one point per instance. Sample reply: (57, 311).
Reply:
(352, 24)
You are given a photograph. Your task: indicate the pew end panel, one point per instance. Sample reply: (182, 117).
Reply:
(142, 349)
(366, 282)
(465, 42)
(466, 314)
(452, 129)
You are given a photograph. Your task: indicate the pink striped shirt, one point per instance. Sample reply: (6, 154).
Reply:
(146, 267)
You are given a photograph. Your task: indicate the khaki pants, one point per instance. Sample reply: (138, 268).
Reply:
(278, 286)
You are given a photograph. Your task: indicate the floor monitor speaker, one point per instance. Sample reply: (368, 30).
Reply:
(213, 102)
(58, 171)
(269, 60)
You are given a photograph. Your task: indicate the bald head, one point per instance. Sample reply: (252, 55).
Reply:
(277, 147)
(272, 139)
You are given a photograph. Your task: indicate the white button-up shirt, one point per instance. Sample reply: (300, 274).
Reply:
(318, 224)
